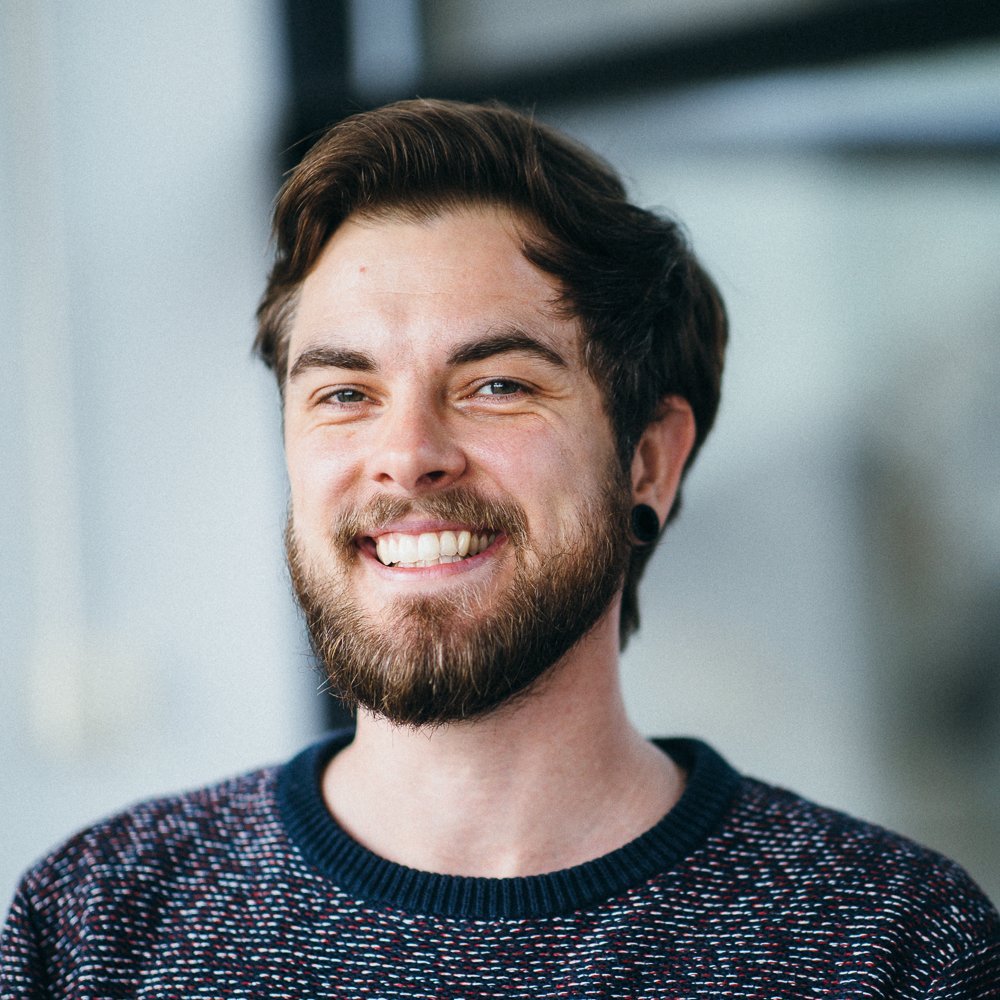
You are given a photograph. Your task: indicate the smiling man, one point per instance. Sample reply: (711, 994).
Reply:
(494, 373)
(435, 406)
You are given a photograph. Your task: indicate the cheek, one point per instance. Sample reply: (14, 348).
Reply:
(543, 470)
(318, 474)
(517, 460)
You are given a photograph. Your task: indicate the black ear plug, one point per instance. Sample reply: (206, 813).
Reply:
(645, 524)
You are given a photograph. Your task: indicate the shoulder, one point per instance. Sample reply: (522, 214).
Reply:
(789, 828)
(828, 861)
(219, 828)
(136, 881)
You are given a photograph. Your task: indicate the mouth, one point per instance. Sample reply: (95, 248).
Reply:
(429, 548)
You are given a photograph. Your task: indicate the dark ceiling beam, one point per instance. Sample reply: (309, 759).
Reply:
(320, 57)
(813, 38)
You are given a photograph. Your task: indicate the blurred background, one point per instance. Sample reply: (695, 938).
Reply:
(827, 609)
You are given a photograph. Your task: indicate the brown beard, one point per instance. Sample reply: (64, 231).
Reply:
(432, 660)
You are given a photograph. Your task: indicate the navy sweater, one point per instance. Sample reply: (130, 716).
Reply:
(250, 889)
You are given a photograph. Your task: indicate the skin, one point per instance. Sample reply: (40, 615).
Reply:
(429, 355)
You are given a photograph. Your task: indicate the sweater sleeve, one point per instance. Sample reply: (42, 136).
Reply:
(22, 965)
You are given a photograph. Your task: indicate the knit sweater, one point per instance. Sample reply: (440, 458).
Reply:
(250, 889)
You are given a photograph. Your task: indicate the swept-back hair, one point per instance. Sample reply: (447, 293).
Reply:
(653, 322)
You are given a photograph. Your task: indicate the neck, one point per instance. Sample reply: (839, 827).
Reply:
(557, 778)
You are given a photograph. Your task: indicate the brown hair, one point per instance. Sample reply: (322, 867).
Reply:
(653, 321)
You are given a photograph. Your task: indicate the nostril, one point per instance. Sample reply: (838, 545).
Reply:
(414, 460)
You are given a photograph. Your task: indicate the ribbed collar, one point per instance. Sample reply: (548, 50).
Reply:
(710, 787)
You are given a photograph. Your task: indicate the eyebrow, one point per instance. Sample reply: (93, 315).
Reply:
(332, 357)
(503, 342)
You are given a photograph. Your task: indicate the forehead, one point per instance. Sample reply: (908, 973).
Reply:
(407, 285)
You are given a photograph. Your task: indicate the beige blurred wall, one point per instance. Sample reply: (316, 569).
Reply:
(147, 641)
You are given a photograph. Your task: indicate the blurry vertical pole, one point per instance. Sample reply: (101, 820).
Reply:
(318, 38)
(345, 56)
(42, 349)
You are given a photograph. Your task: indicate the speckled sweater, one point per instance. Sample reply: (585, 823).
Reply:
(249, 889)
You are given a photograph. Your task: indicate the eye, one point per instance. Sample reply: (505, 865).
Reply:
(345, 396)
(500, 387)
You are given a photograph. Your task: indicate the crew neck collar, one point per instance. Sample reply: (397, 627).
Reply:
(711, 784)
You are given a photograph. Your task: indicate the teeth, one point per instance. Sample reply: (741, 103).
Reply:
(479, 543)
(449, 543)
(427, 547)
(430, 548)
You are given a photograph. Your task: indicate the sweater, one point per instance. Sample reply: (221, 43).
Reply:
(250, 889)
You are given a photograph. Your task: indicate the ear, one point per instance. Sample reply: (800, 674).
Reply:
(660, 455)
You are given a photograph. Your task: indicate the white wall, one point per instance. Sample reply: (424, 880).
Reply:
(147, 642)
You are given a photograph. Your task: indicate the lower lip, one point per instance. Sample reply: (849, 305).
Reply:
(441, 569)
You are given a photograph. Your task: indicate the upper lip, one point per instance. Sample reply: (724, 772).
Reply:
(407, 526)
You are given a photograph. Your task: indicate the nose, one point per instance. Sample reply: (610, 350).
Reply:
(415, 450)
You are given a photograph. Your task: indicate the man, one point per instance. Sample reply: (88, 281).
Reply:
(494, 373)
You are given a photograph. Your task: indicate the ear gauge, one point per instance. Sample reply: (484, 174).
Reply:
(645, 524)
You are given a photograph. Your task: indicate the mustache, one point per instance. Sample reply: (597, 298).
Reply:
(500, 515)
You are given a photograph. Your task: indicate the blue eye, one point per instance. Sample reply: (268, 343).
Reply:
(500, 387)
(346, 396)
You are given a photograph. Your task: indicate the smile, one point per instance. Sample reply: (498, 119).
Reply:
(431, 548)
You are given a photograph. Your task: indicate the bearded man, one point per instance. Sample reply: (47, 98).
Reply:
(494, 373)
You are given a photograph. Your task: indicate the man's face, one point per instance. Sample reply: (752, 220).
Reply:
(458, 517)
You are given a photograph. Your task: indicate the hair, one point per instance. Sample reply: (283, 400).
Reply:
(653, 322)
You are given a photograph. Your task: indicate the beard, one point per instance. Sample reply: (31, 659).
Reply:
(429, 660)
